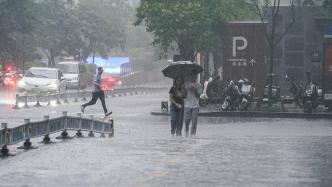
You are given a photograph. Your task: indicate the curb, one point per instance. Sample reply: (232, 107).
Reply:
(258, 115)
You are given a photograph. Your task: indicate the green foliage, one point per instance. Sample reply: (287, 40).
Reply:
(194, 25)
(79, 30)
(59, 28)
(15, 19)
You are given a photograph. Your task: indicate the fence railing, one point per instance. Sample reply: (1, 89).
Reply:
(67, 97)
(47, 126)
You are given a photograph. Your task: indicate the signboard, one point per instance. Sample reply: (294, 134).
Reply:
(244, 53)
(111, 65)
(328, 31)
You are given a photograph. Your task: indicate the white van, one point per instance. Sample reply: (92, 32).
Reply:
(75, 74)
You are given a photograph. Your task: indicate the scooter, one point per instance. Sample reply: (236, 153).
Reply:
(213, 92)
(297, 92)
(247, 91)
(275, 94)
(310, 98)
(204, 99)
(232, 94)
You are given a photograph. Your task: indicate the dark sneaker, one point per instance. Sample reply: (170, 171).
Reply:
(82, 109)
(107, 114)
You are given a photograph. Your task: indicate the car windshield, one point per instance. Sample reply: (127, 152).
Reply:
(42, 73)
(68, 68)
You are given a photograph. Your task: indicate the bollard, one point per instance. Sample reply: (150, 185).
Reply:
(4, 150)
(26, 102)
(79, 134)
(37, 103)
(80, 116)
(91, 135)
(65, 100)
(27, 143)
(76, 95)
(64, 134)
(65, 114)
(84, 96)
(49, 100)
(79, 131)
(16, 102)
(47, 139)
(58, 100)
(27, 128)
(111, 134)
(91, 132)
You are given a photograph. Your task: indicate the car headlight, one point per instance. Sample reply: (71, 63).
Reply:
(52, 85)
(21, 83)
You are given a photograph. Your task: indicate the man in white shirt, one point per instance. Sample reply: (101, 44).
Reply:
(191, 104)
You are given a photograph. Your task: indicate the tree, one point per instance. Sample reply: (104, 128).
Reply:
(194, 25)
(50, 28)
(271, 9)
(15, 19)
(78, 30)
(102, 26)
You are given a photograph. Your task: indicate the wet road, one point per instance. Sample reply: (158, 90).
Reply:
(225, 152)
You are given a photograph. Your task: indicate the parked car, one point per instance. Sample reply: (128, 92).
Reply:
(42, 80)
(75, 74)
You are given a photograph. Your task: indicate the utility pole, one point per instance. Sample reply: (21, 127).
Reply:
(23, 55)
(94, 53)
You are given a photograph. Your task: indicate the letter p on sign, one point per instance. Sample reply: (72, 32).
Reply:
(238, 48)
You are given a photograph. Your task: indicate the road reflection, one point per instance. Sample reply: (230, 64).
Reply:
(7, 97)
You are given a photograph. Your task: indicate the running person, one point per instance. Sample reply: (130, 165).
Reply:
(97, 93)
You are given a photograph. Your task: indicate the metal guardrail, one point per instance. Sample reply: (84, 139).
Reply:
(74, 96)
(10, 136)
(1, 137)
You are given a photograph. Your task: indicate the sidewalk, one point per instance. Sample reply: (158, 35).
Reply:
(292, 112)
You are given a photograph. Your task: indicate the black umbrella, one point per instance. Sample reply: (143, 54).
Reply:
(181, 69)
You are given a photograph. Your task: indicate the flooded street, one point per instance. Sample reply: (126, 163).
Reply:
(225, 152)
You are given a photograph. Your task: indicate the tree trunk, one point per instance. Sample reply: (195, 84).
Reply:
(52, 56)
(49, 63)
(187, 53)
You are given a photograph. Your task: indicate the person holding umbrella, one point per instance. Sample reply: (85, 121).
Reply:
(176, 97)
(191, 104)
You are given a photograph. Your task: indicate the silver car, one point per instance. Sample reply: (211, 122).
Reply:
(42, 80)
